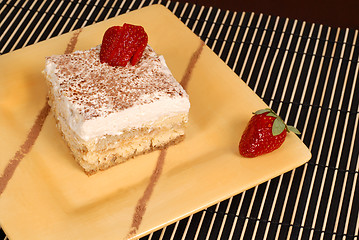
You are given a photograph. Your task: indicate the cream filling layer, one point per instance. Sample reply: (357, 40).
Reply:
(114, 123)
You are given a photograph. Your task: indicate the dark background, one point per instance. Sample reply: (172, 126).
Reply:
(333, 13)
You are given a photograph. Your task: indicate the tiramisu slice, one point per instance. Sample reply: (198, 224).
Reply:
(108, 114)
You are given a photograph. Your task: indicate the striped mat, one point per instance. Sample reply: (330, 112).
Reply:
(308, 73)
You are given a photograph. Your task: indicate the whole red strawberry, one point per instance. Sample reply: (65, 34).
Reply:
(121, 45)
(264, 133)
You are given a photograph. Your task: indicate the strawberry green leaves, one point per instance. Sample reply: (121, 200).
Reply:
(278, 124)
(293, 129)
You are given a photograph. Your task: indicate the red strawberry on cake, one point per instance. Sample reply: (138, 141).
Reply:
(123, 44)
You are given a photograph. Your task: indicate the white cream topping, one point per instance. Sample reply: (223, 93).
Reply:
(154, 106)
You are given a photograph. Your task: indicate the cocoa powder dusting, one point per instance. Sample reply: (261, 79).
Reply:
(86, 82)
(73, 41)
(24, 148)
(34, 131)
(142, 202)
(187, 75)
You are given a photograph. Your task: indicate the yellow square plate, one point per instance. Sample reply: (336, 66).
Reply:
(50, 197)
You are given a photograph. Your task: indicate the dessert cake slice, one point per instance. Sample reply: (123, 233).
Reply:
(109, 114)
